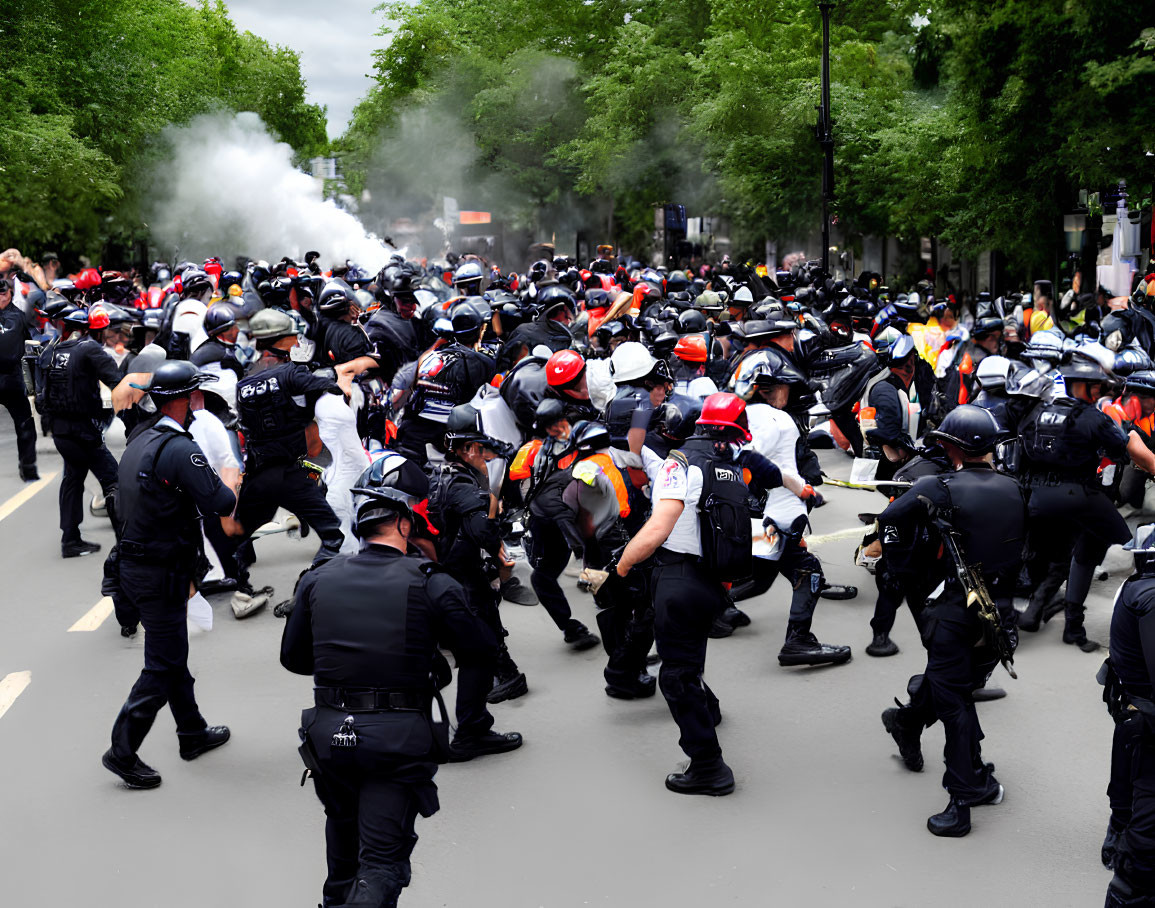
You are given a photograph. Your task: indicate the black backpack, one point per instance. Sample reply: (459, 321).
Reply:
(723, 516)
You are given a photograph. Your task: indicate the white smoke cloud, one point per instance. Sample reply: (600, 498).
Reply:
(229, 188)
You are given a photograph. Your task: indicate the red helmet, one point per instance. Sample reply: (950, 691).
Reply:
(691, 348)
(725, 411)
(564, 368)
(87, 279)
(98, 318)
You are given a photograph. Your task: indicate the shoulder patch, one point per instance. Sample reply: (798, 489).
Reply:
(198, 460)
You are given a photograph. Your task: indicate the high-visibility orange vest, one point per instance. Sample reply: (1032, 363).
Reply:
(614, 474)
(522, 466)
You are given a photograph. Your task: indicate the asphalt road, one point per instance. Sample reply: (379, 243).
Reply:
(824, 813)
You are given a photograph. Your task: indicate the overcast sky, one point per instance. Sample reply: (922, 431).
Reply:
(335, 42)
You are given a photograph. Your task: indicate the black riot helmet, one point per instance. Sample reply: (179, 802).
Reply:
(554, 298)
(464, 426)
(1141, 382)
(678, 417)
(549, 411)
(590, 437)
(335, 297)
(691, 321)
(219, 318)
(390, 485)
(175, 378)
(974, 430)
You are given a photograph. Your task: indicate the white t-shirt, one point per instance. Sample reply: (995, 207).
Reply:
(676, 482)
(701, 387)
(213, 438)
(775, 436)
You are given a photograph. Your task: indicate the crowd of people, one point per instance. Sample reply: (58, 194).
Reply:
(658, 427)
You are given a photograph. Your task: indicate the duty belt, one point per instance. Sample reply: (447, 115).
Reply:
(370, 699)
(664, 557)
(1052, 478)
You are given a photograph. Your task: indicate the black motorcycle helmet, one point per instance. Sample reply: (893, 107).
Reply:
(974, 430)
(467, 318)
(219, 318)
(590, 437)
(1141, 382)
(691, 322)
(549, 411)
(554, 298)
(335, 297)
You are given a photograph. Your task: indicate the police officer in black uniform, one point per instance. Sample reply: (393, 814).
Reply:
(275, 403)
(14, 331)
(368, 627)
(552, 532)
(447, 375)
(166, 484)
(72, 370)
(220, 324)
(988, 511)
(469, 540)
(1129, 848)
(390, 328)
(345, 340)
(687, 592)
(1062, 445)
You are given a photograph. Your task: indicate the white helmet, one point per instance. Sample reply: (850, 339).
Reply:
(992, 372)
(631, 361)
(743, 295)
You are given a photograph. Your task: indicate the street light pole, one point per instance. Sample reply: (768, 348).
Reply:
(825, 135)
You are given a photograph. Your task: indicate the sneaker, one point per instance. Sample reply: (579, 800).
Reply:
(509, 689)
(79, 549)
(135, 773)
(249, 603)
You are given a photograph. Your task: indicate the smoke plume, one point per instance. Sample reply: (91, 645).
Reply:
(229, 188)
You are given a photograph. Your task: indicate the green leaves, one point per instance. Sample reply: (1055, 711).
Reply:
(87, 84)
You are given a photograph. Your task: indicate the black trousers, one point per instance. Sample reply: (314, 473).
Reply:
(414, 433)
(548, 555)
(954, 668)
(1124, 751)
(275, 485)
(801, 568)
(686, 601)
(82, 454)
(848, 425)
(16, 401)
(626, 622)
(893, 587)
(1136, 862)
(159, 595)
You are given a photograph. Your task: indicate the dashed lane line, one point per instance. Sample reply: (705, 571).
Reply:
(11, 687)
(94, 617)
(8, 507)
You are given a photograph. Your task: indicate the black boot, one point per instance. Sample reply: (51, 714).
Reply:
(712, 777)
(838, 591)
(1073, 632)
(637, 687)
(579, 637)
(802, 648)
(29, 473)
(907, 735)
(735, 617)
(721, 627)
(197, 743)
(378, 888)
(466, 747)
(509, 683)
(953, 822)
(881, 646)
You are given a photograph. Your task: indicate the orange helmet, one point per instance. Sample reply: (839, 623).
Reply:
(691, 348)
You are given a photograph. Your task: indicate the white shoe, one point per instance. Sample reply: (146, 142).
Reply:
(200, 613)
(245, 605)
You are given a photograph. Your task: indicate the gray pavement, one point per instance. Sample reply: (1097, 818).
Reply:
(824, 813)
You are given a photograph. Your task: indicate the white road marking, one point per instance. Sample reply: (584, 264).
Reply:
(848, 533)
(24, 495)
(94, 617)
(11, 687)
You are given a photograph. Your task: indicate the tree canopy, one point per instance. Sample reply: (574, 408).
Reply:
(975, 122)
(87, 85)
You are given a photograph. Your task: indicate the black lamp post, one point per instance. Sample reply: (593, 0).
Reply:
(824, 131)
